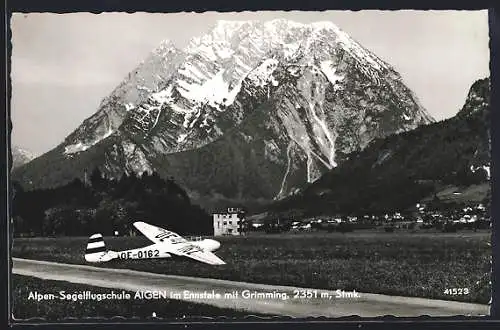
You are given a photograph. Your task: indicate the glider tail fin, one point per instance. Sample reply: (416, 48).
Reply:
(96, 249)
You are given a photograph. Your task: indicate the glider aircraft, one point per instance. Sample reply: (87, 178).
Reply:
(166, 244)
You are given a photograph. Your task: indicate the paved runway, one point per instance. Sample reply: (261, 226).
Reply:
(313, 303)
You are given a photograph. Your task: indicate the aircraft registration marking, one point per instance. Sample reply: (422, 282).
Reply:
(142, 254)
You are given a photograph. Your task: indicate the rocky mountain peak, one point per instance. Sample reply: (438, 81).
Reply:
(275, 102)
(20, 156)
(477, 98)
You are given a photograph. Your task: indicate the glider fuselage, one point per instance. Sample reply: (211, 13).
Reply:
(160, 250)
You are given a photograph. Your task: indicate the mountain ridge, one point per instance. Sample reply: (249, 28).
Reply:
(323, 94)
(20, 156)
(400, 170)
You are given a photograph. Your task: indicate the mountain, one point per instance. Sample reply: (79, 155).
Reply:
(135, 89)
(249, 111)
(20, 156)
(477, 98)
(430, 162)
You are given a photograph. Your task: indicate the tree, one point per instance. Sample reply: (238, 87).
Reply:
(59, 221)
(16, 189)
(18, 226)
(97, 179)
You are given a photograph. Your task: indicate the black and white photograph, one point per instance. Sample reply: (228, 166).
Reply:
(251, 165)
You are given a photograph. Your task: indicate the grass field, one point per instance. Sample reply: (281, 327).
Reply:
(401, 263)
(57, 310)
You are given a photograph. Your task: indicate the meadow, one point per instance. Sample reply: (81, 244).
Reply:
(112, 310)
(419, 264)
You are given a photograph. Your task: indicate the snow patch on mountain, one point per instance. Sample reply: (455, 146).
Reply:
(290, 50)
(163, 96)
(325, 137)
(80, 146)
(191, 71)
(214, 91)
(225, 53)
(74, 148)
(329, 71)
(298, 133)
(181, 138)
(285, 176)
(179, 109)
(262, 74)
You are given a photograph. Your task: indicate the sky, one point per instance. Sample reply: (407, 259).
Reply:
(63, 65)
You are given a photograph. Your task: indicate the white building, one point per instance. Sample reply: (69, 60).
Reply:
(227, 223)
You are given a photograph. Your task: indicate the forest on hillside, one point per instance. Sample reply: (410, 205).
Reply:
(106, 206)
(398, 171)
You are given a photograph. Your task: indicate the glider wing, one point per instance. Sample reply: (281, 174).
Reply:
(158, 235)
